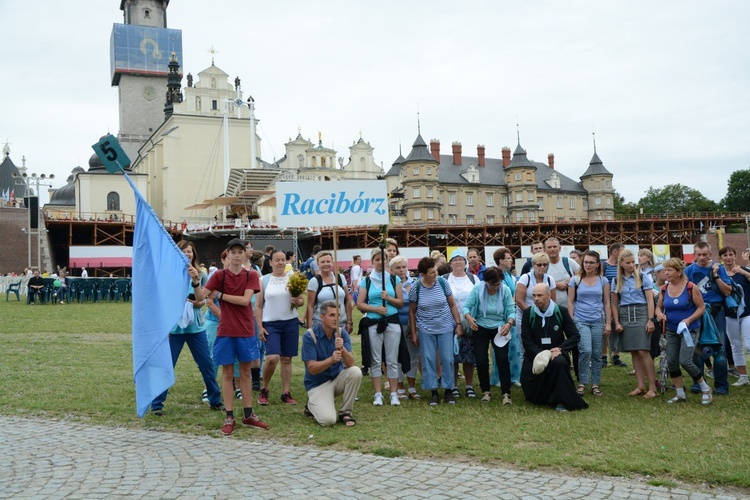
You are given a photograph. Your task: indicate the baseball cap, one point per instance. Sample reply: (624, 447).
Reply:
(235, 242)
(501, 340)
(658, 268)
(457, 253)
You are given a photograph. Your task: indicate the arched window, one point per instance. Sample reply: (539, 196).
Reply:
(113, 201)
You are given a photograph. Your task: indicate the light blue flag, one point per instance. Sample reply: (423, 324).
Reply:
(159, 276)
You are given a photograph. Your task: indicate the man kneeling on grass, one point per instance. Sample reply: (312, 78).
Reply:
(329, 370)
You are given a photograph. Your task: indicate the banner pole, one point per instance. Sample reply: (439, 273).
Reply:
(337, 280)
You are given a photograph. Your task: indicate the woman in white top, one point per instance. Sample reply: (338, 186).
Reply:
(538, 274)
(321, 289)
(280, 326)
(461, 284)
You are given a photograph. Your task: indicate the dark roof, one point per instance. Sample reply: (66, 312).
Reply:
(66, 195)
(419, 151)
(8, 182)
(396, 168)
(596, 167)
(493, 174)
(520, 159)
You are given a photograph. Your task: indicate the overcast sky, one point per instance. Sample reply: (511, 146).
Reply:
(665, 85)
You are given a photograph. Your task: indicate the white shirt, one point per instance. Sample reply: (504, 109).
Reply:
(461, 288)
(559, 274)
(355, 275)
(84, 274)
(277, 301)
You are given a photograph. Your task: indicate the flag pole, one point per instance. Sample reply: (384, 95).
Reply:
(337, 280)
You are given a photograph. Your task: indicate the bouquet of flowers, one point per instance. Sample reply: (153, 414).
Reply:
(297, 285)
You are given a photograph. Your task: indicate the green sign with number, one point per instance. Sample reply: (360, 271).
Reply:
(111, 154)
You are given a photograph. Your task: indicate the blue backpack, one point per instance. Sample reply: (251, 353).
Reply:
(306, 268)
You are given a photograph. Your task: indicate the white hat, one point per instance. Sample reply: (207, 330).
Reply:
(541, 361)
(501, 340)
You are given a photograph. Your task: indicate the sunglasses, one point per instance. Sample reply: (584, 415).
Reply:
(541, 265)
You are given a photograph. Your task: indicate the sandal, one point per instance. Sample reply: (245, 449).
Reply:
(707, 398)
(650, 395)
(347, 419)
(414, 395)
(307, 412)
(581, 389)
(595, 390)
(637, 392)
(470, 392)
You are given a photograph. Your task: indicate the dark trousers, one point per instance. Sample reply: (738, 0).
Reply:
(482, 339)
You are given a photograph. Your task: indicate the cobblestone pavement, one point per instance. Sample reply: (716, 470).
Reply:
(58, 459)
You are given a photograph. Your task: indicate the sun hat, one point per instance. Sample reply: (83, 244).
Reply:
(541, 361)
(457, 253)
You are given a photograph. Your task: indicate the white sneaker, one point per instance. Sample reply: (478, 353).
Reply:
(378, 401)
(742, 381)
(394, 399)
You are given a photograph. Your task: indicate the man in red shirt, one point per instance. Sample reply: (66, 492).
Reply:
(235, 339)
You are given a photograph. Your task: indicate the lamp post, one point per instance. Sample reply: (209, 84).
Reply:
(37, 180)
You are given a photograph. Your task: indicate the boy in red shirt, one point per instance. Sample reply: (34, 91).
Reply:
(235, 339)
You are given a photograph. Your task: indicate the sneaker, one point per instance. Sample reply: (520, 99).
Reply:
(619, 362)
(517, 384)
(288, 399)
(434, 400)
(256, 385)
(734, 372)
(470, 392)
(742, 381)
(253, 421)
(448, 397)
(560, 408)
(378, 400)
(455, 393)
(707, 398)
(506, 400)
(238, 394)
(204, 397)
(486, 398)
(263, 397)
(228, 428)
(710, 373)
(676, 399)
(395, 400)
(157, 413)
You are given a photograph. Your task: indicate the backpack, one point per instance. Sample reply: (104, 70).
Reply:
(577, 282)
(306, 268)
(734, 303)
(367, 285)
(319, 279)
(557, 314)
(566, 265)
(418, 285)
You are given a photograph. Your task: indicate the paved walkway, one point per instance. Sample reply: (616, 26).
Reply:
(58, 459)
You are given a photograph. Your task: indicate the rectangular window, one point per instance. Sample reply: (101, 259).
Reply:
(572, 203)
(469, 199)
(597, 201)
(490, 200)
(451, 198)
(470, 219)
(214, 104)
(606, 184)
(528, 176)
(417, 214)
(585, 204)
(540, 203)
(505, 200)
(518, 177)
(519, 196)
(531, 195)
(429, 170)
(559, 202)
(415, 171)
(519, 217)
(490, 219)
(416, 193)
(430, 214)
(429, 192)
(452, 218)
(532, 216)
(609, 200)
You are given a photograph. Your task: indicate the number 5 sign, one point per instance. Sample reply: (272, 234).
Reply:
(111, 154)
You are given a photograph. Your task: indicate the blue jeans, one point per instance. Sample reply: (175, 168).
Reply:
(721, 375)
(592, 340)
(198, 345)
(429, 346)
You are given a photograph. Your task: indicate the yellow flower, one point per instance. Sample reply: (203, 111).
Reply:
(297, 284)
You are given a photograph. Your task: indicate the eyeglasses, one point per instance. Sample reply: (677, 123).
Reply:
(589, 263)
(492, 285)
(541, 265)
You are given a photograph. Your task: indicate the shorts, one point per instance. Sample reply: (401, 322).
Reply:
(229, 349)
(282, 337)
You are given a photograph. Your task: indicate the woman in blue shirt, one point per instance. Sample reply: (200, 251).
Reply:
(738, 323)
(588, 304)
(490, 312)
(380, 296)
(633, 312)
(681, 307)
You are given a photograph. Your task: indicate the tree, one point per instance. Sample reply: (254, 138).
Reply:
(675, 198)
(738, 191)
(623, 208)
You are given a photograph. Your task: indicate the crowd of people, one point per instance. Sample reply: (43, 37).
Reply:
(548, 329)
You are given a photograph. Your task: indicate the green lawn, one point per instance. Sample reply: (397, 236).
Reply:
(74, 362)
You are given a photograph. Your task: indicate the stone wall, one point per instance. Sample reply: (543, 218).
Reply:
(14, 242)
